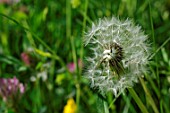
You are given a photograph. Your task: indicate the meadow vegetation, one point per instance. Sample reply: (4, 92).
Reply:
(42, 54)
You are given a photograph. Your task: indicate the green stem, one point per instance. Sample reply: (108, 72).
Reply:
(138, 101)
(77, 80)
(165, 42)
(83, 30)
(148, 95)
(106, 109)
(68, 19)
(154, 48)
(56, 57)
(114, 100)
(78, 96)
(154, 43)
(152, 83)
(81, 57)
(128, 107)
(68, 35)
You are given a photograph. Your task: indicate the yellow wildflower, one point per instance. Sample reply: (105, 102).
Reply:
(75, 3)
(70, 107)
(59, 79)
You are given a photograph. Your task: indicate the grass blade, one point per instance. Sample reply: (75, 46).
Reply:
(138, 101)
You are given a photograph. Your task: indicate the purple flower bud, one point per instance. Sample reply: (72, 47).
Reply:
(71, 66)
(26, 58)
(21, 88)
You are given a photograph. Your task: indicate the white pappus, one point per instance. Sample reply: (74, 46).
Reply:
(119, 55)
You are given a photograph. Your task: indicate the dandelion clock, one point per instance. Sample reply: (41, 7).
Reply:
(118, 55)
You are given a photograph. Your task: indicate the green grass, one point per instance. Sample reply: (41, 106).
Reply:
(54, 31)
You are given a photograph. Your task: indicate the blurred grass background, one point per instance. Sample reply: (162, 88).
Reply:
(50, 33)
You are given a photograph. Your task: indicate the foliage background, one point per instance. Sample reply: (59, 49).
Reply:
(51, 33)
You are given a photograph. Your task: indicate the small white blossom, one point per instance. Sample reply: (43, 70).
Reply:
(119, 55)
(42, 74)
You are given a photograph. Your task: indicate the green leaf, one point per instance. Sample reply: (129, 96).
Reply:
(165, 55)
(42, 53)
(44, 14)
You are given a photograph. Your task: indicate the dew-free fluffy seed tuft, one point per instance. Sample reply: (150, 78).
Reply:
(118, 57)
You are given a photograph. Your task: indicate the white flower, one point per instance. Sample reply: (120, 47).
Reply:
(119, 55)
(42, 74)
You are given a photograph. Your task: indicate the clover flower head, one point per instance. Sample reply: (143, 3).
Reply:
(26, 58)
(119, 54)
(10, 88)
(72, 66)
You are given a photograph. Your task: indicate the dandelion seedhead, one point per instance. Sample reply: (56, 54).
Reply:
(119, 55)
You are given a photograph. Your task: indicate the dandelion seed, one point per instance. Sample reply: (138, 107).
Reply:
(119, 55)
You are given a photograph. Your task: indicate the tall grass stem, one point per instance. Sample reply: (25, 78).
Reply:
(138, 101)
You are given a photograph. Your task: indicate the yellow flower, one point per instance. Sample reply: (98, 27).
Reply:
(75, 3)
(59, 79)
(70, 107)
